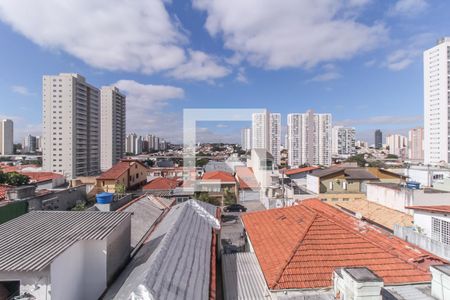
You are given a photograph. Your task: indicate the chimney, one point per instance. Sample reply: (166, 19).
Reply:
(358, 283)
(440, 284)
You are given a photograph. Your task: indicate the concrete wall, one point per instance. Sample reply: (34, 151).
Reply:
(34, 283)
(248, 195)
(422, 219)
(80, 272)
(313, 184)
(118, 248)
(59, 200)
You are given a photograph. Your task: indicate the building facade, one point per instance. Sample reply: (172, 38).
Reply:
(343, 140)
(309, 139)
(29, 144)
(397, 144)
(275, 136)
(113, 122)
(378, 139)
(6, 137)
(436, 95)
(246, 139)
(266, 133)
(71, 125)
(415, 144)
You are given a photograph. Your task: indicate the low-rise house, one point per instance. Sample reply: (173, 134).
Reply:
(216, 183)
(69, 255)
(129, 173)
(299, 247)
(161, 184)
(177, 260)
(433, 221)
(338, 179)
(298, 175)
(398, 196)
(45, 180)
(428, 176)
(248, 186)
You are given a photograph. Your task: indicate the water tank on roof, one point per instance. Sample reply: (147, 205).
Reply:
(104, 198)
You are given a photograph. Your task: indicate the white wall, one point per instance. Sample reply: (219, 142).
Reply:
(313, 184)
(34, 283)
(424, 176)
(422, 219)
(80, 272)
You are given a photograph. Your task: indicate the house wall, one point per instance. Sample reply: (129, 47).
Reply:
(422, 219)
(80, 272)
(248, 195)
(59, 200)
(118, 248)
(337, 185)
(34, 283)
(313, 184)
(425, 176)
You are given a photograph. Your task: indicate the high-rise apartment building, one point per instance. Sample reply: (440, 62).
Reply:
(6, 137)
(113, 122)
(378, 139)
(29, 144)
(38, 143)
(266, 133)
(309, 137)
(397, 144)
(71, 125)
(415, 144)
(130, 145)
(246, 139)
(436, 98)
(343, 140)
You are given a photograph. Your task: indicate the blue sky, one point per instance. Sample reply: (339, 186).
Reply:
(360, 60)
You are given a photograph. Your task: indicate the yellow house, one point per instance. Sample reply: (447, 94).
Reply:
(130, 173)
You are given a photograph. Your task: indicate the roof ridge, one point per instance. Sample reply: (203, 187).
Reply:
(388, 250)
(294, 251)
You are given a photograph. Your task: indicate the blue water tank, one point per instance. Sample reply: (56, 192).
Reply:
(104, 198)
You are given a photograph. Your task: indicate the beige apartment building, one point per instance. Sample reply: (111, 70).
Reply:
(113, 119)
(71, 125)
(6, 137)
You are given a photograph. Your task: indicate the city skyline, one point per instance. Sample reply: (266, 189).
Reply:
(208, 70)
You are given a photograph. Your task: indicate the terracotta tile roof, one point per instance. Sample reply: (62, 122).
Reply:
(161, 183)
(300, 170)
(298, 247)
(246, 178)
(432, 208)
(42, 176)
(375, 212)
(219, 176)
(118, 169)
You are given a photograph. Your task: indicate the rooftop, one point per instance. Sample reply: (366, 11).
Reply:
(300, 170)
(175, 261)
(37, 177)
(46, 234)
(246, 178)
(431, 208)
(375, 212)
(298, 247)
(161, 183)
(218, 176)
(118, 170)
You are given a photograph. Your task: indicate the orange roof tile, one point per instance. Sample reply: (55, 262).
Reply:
(118, 169)
(299, 247)
(219, 176)
(300, 170)
(246, 178)
(161, 183)
(41, 176)
(432, 208)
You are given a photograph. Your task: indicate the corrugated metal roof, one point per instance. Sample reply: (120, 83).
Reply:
(174, 263)
(32, 241)
(243, 278)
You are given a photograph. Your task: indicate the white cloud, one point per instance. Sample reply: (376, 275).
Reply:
(22, 90)
(330, 72)
(241, 76)
(408, 7)
(145, 103)
(290, 33)
(199, 66)
(134, 36)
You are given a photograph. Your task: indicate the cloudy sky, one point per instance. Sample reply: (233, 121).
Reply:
(360, 60)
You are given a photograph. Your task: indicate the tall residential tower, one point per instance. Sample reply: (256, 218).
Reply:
(113, 120)
(266, 133)
(6, 137)
(71, 125)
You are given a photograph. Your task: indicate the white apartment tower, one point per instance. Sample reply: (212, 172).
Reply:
(415, 144)
(266, 133)
(246, 139)
(397, 144)
(343, 140)
(71, 125)
(6, 137)
(436, 102)
(131, 143)
(113, 120)
(309, 139)
(29, 144)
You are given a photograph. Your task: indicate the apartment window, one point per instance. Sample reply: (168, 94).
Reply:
(440, 230)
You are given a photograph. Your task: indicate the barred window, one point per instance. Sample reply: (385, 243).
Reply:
(440, 230)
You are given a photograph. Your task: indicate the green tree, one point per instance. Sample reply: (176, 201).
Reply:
(229, 198)
(120, 188)
(79, 207)
(359, 159)
(204, 197)
(14, 178)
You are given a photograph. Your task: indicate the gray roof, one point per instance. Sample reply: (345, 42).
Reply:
(175, 261)
(407, 292)
(263, 153)
(146, 211)
(32, 241)
(243, 278)
(327, 171)
(359, 174)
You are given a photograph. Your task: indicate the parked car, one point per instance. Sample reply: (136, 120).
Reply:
(235, 208)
